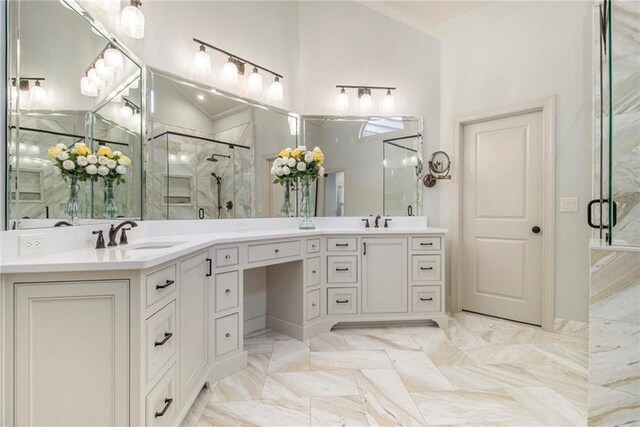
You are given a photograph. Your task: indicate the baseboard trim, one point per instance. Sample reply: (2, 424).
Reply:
(255, 324)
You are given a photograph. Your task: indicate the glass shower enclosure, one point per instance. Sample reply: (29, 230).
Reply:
(614, 212)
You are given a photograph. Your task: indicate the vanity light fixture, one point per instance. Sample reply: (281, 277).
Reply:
(235, 67)
(365, 101)
(255, 82)
(128, 109)
(101, 70)
(202, 61)
(37, 94)
(132, 20)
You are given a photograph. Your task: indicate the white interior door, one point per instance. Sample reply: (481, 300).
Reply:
(501, 209)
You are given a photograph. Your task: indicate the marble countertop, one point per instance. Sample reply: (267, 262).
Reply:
(136, 256)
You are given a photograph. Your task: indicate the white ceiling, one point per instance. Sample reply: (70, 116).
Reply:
(425, 15)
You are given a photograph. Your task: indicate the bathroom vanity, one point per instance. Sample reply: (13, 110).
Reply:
(129, 335)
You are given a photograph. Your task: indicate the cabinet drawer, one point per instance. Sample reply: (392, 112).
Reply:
(313, 271)
(227, 339)
(342, 301)
(160, 284)
(347, 244)
(161, 340)
(425, 299)
(269, 251)
(227, 288)
(226, 257)
(313, 246)
(425, 243)
(425, 268)
(161, 402)
(342, 269)
(313, 304)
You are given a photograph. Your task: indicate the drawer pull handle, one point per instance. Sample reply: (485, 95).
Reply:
(426, 244)
(342, 245)
(228, 291)
(342, 301)
(208, 274)
(342, 269)
(167, 336)
(426, 268)
(227, 335)
(166, 284)
(167, 403)
(227, 257)
(426, 299)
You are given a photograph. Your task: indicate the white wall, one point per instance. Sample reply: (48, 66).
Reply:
(348, 43)
(511, 52)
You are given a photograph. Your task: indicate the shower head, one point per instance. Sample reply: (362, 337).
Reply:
(214, 159)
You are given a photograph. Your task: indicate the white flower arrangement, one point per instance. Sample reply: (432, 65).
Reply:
(78, 162)
(298, 163)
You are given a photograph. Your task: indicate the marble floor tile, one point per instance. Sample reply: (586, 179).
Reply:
(285, 385)
(349, 360)
(338, 411)
(564, 356)
(505, 354)
(440, 350)
(480, 323)
(329, 341)
(243, 385)
(487, 377)
(571, 328)
(386, 400)
(377, 339)
(463, 337)
(567, 383)
(548, 406)
(471, 407)
(418, 372)
(289, 356)
(290, 412)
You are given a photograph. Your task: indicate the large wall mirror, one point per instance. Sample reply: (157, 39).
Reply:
(209, 153)
(52, 45)
(373, 165)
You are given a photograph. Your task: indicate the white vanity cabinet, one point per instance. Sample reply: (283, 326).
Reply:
(384, 275)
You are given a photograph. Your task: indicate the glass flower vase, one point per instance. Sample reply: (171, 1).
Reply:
(287, 209)
(72, 209)
(306, 205)
(109, 209)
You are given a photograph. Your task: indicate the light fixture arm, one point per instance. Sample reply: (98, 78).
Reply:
(237, 58)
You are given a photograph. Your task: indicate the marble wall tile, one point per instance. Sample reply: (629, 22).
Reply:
(338, 411)
(615, 285)
(609, 407)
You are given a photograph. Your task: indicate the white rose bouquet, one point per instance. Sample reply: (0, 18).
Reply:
(73, 162)
(298, 163)
(111, 165)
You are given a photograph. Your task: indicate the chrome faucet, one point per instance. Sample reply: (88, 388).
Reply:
(376, 225)
(113, 232)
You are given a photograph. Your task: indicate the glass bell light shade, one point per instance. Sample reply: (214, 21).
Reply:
(113, 60)
(87, 88)
(102, 70)
(135, 120)
(276, 91)
(229, 73)
(94, 78)
(37, 94)
(202, 61)
(255, 82)
(132, 20)
(126, 112)
(365, 104)
(388, 103)
(14, 94)
(342, 101)
(109, 5)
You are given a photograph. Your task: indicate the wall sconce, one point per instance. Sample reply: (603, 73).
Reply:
(365, 101)
(37, 93)
(101, 71)
(234, 68)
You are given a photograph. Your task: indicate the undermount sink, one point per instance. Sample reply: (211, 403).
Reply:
(151, 245)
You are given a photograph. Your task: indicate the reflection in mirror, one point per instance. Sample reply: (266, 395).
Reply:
(208, 153)
(47, 106)
(373, 165)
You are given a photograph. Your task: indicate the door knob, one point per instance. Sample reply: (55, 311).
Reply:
(535, 229)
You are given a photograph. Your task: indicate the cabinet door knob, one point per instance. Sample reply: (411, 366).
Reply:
(313, 304)
(167, 336)
(277, 250)
(314, 271)
(536, 229)
(227, 335)
(228, 291)
(227, 257)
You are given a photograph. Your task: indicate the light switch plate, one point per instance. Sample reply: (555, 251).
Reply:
(31, 244)
(569, 204)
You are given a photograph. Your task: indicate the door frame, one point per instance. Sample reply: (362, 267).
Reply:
(547, 107)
